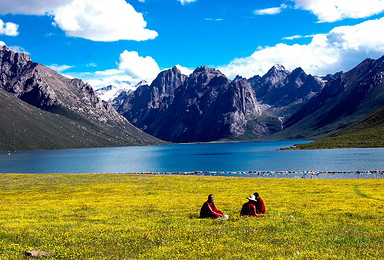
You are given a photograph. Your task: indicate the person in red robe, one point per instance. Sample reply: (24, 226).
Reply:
(260, 207)
(209, 210)
(249, 208)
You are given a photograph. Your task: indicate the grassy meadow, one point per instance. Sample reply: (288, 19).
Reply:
(96, 216)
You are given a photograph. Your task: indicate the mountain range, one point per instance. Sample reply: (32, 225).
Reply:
(282, 104)
(42, 109)
(352, 96)
(207, 106)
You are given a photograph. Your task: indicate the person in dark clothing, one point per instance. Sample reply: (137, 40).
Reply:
(209, 210)
(260, 207)
(249, 208)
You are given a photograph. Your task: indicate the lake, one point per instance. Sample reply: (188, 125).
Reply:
(214, 157)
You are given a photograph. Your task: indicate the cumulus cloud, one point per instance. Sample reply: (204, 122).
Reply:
(340, 49)
(100, 20)
(184, 70)
(335, 10)
(97, 20)
(9, 29)
(119, 80)
(135, 66)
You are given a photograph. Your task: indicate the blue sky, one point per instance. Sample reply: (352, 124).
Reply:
(116, 41)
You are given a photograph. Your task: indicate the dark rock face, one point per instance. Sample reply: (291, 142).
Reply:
(205, 106)
(280, 87)
(73, 99)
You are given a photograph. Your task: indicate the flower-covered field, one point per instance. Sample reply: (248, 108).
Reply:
(97, 216)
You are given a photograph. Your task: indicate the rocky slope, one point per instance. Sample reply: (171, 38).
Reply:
(71, 99)
(285, 91)
(349, 98)
(204, 106)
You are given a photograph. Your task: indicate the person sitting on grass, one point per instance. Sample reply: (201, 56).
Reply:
(249, 208)
(209, 210)
(260, 207)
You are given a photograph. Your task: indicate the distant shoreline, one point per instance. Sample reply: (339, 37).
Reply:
(255, 174)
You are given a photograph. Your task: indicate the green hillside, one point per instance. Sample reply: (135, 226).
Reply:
(25, 127)
(366, 133)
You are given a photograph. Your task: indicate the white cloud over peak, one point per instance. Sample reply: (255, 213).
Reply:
(335, 10)
(135, 66)
(119, 80)
(341, 49)
(184, 70)
(97, 20)
(9, 29)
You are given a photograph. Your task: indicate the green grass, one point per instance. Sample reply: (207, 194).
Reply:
(366, 133)
(95, 216)
(25, 127)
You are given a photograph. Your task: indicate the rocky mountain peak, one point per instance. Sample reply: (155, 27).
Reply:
(11, 56)
(141, 83)
(275, 75)
(202, 76)
(71, 112)
(168, 80)
(280, 87)
(206, 107)
(238, 78)
(12, 64)
(278, 67)
(206, 70)
(298, 71)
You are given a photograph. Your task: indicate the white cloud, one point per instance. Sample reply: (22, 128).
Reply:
(138, 67)
(19, 49)
(9, 29)
(2, 43)
(30, 7)
(268, 11)
(183, 2)
(184, 70)
(100, 20)
(119, 81)
(96, 20)
(294, 37)
(335, 10)
(341, 49)
(214, 19)
(105, 78)
(59, 68)
(110, 72)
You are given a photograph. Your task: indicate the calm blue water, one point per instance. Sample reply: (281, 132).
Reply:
(253, 156)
